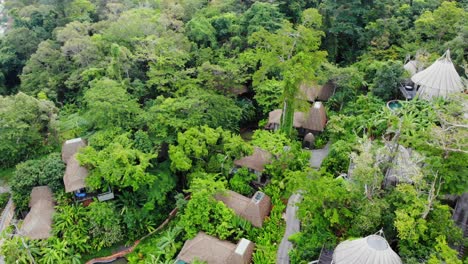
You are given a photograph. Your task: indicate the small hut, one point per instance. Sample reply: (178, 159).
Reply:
(255, 162)
(70, 147)
(254, 209)
(38, 222)
(214, 251)
(439, 79)
(373, 249)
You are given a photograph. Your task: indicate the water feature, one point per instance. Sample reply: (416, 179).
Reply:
(394, 105)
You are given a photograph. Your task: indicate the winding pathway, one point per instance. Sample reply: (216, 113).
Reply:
(292, 223)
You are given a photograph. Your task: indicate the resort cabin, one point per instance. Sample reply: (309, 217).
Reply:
(254, 209)
(312, 122)
(438, 80)
(214, 251)
(38, 222)
(255, 163)
(75, 174)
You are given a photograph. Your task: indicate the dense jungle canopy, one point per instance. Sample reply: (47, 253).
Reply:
(169, 95)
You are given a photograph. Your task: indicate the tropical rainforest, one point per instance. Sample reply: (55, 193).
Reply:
(163, 91)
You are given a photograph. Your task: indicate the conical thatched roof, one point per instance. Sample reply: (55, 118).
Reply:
(38, 222)
(316, 119)
(75, 175)
(372, 249)
(439, 79)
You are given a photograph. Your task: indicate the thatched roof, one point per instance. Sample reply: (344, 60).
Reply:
(315, 120)
(75, 175)
(412, 66)
(316, 92)
(38, 222)
(214, 251)
(40, 193)
(254, 209)
(326, 91)
(256, 161)
(71, 147)
(372, 249)
(439, 79)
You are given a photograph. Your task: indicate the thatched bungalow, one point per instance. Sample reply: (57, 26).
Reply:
(38, 222)
(312, 122)
(254, 209)
(255, 162)
(214, 251)
(75, 174)
(70, 147)
(438, 80)
(373, 249)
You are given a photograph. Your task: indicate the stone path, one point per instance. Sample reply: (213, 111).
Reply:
(318, 155)
(292, 223)
(292, 226)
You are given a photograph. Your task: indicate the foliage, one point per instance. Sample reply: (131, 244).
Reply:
(290, 55)
(48, 171)
(27, 125)
(110, 105)
(169, 116)
(204, 213)
(118, 164)
(207, 149)
(104, 225)
(387, 80)
(240, 182)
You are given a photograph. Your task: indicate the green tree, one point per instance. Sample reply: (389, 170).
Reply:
(443, 23)
(104, 225)
(109, 105)
(387, 80)
(206, 149)
(46, 71)
(169, 116)
(291, 55)
(204, 213)
(118, 164)
(28, 127)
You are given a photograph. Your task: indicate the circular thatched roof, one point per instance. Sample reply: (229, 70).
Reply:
(372, 249)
